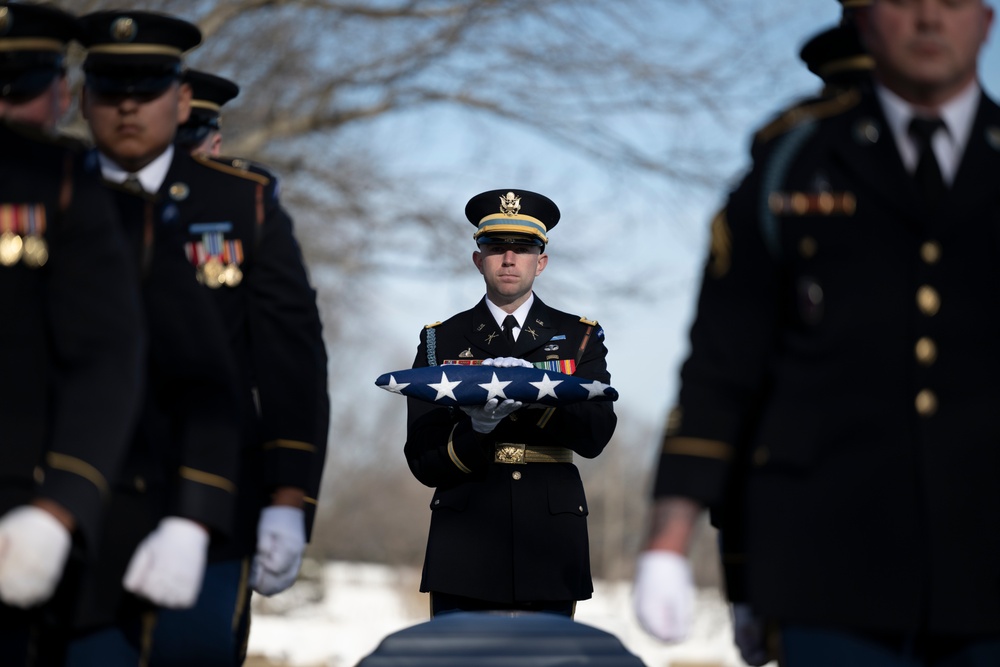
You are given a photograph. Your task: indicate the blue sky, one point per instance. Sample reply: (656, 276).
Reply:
(616, 224)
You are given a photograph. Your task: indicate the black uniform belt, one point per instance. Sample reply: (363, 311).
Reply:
(512, 452)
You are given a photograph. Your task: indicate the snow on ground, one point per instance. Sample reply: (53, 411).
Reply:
(337, 613)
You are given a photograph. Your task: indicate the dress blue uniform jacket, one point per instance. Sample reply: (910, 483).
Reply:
(272, 325)
(184, 459)
(70, 334)
(501, 532)
(845, 346)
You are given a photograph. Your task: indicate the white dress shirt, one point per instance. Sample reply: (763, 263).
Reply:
(151, 176)
(949, 146)
(521, 314)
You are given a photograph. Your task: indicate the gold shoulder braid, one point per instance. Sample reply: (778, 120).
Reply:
(721, 251)
(811, 110)
(234, 171)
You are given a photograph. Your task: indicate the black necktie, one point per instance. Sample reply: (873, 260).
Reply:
(928, 173)
(509, 323)
(132, 184)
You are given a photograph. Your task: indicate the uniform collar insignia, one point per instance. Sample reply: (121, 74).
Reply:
(866, 131)
(993, 137)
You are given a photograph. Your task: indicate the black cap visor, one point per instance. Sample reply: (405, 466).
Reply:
(24, 85)
(509, 239)
(26, 74)
(138, 82)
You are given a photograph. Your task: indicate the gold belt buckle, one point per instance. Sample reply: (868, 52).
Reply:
(508, 452)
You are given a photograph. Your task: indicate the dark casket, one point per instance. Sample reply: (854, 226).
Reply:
(500, 639)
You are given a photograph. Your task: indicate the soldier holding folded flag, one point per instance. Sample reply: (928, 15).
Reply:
(509, 515)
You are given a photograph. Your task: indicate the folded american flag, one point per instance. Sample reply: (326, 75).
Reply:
(474, 385)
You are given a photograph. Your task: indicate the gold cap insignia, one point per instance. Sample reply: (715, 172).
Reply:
(4, 19)
(179, 191)
(510, 204)
(123, 29)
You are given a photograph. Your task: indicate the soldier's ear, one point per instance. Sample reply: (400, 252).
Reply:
(183, 103)
(477, 259)
(543, 261)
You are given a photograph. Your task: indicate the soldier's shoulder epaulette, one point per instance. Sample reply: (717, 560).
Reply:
(226, 167)
(431, 325)
(810, 110)
(591, 323)
(244, 164)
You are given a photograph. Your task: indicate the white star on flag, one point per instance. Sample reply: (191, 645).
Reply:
(396, 387)
(595, 389)
(444, 387)
(495, 388)
(546, 387)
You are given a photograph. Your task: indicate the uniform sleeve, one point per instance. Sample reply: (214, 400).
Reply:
(98, 341)
(732, 337)
(441, 447)
(290, 360)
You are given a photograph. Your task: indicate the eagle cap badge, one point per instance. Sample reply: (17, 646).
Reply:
(510, 204)
(123, 29)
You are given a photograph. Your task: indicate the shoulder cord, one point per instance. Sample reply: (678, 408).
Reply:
(432, 347)
(774, 175)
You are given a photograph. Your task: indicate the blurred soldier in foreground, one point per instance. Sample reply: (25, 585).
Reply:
(70, 329)
(844, 338)
(838, 57)
(509, 532)
(273, 327)
(177, 493)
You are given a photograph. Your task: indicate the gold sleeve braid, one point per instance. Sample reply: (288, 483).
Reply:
(289, 444)
(700, 447)
(206, 478)
(451, 452)
(71, 464)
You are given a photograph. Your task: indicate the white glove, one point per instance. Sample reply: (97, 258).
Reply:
(664, 595)
(281, 539)
(168, 566)
(486, 418)
(507, 362)
(748, 633)
(34, 547)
